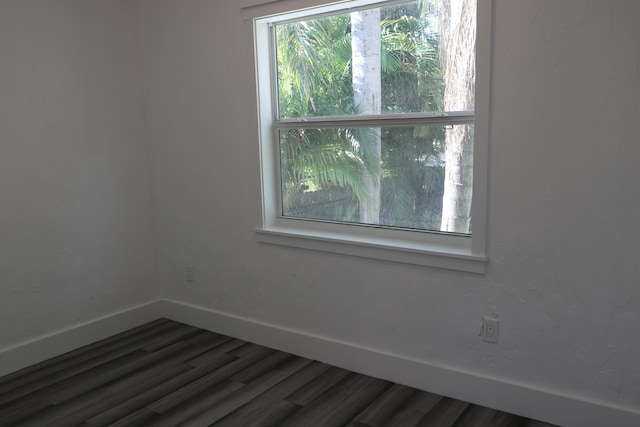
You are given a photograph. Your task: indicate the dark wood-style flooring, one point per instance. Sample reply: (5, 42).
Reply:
(168, 374)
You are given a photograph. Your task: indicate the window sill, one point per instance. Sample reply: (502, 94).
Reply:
(430, 255)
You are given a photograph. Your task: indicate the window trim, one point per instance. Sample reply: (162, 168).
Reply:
(427, 248)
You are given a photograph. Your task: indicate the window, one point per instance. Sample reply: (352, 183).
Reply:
(374, 130)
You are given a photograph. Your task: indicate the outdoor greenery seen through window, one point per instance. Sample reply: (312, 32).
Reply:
(414, 60)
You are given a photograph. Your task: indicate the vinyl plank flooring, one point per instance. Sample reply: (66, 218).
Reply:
(135, 419)
(257, 369)
(165, 374)
(211, 398)
(181, 358)
(272, 416)
(246, 394)
(85, 406)
(143, 400)
(385, 406)
(17, 413)
(90, 380)
(123, 388)
(319, 385)
(503, 419)
(206, 382)
(83, 362)
(414, 410)
(212, 355)
(39, 397)
(168, 339)
(247, 349)
(476, 416)
(271, 405)
(444, 414)
(340, 404)
(60, 362)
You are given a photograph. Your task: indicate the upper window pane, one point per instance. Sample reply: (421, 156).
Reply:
(385, 60)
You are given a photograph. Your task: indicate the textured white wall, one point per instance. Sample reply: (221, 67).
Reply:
(564, 234)
(75, 218)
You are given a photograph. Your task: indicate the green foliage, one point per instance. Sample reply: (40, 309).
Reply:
(412, 79)
(321, 158)
(314, 74)
(314, 79)
(413, 178)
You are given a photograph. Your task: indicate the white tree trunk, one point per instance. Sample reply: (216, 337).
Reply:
(367, 93)
(458, 39)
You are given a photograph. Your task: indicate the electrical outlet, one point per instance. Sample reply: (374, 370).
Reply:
(490, 329)
(190, 278)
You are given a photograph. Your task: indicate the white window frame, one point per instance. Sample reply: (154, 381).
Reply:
(434, 249)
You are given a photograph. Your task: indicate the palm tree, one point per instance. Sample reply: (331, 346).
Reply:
(392, 173)
(314, 60)
(457, 31)
(321, 159)
(366, 78)
(412, 82)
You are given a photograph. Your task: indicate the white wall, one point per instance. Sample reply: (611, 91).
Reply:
(75, 220)
(76, 238)
(564, 233)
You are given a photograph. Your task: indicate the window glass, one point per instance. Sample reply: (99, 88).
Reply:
(392, 52)
(340, 77)
(325, 175)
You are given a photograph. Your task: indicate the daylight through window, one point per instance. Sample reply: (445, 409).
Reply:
(374, 128)
(375, 115)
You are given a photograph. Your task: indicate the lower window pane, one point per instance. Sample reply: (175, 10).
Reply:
(393, 177)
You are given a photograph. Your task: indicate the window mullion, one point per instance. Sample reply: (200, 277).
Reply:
(391, 120)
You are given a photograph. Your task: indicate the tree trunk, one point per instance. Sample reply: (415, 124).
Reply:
(367, 94)
(457, 51)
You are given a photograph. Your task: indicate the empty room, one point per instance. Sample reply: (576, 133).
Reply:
(443, 213)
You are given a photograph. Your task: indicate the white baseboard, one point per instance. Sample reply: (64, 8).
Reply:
(521, 399)
(51, 345)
